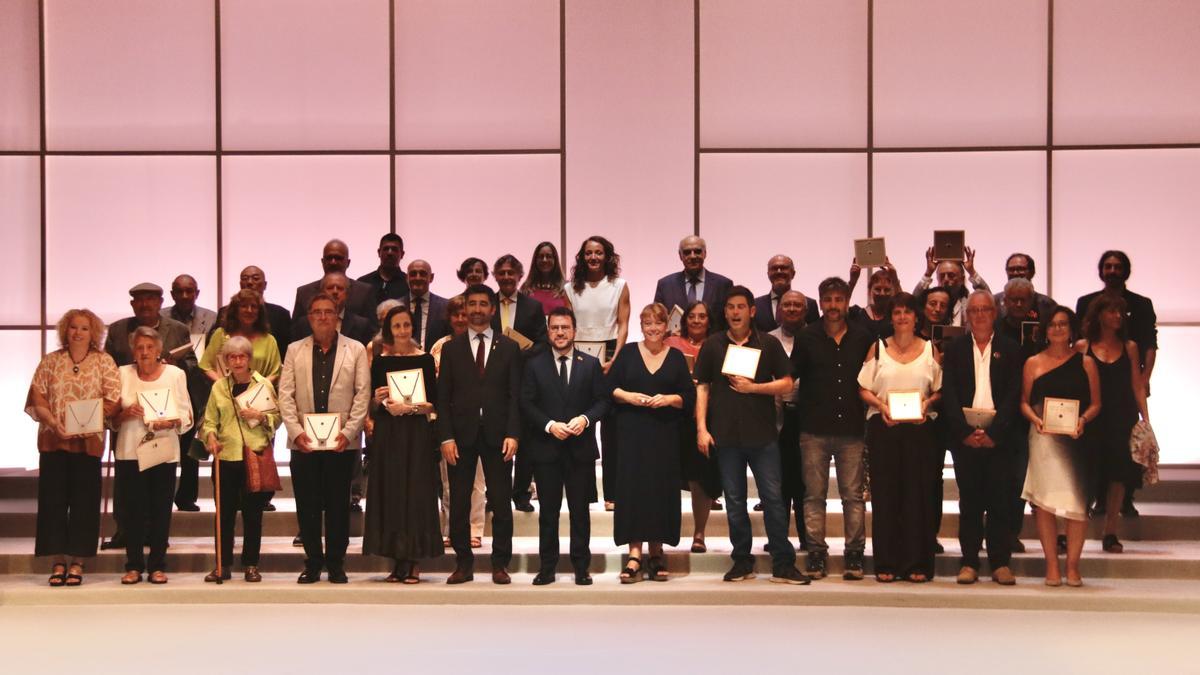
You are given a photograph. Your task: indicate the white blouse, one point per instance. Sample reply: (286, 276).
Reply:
(884, 373)
(596, 309)
(131, 432)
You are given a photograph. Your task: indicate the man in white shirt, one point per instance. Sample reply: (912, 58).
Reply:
(793, 314)
(428, 309)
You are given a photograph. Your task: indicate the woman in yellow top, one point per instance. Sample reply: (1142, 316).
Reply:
(245, 316)
(227, 429)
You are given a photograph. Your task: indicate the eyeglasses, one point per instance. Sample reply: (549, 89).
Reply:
(322, 312)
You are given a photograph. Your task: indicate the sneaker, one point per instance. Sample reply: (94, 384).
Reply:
(815, 567)
(741, 571)
(790, 575)
(854, 566)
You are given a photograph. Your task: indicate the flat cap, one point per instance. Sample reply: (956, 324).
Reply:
(146, 287)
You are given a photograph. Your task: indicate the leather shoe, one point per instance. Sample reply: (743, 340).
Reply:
(338, 576)
(309, 577)
(1004, 576)
(522, 504)
(191, 508)
(461, 576)
(543, 578)
(252, 575)
(968, 575)
(583, 579)
(500, 576)
(226, 575)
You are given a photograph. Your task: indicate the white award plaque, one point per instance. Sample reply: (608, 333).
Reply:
(84, 417)
(741, 361)
(596, 349)
(675, 321)
(158, 405)
(1060, 415)
(257, 397)
(979, 418)
(322, 430)
(905, 406)
(407, 386)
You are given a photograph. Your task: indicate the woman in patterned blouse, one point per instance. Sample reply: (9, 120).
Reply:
(68, 518)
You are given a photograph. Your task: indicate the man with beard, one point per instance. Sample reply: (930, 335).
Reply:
(1021, 266)
(388, 280)
(767, 310)
(1140, 321)
(952, 275)
(827, 357)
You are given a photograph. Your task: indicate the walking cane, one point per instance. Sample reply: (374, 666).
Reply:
(217, 490)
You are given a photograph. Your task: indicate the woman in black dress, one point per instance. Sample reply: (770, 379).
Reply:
(1123, 391)
(402, 513)
(654, 393)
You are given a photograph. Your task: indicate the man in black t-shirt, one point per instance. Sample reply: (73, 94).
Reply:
(740, 427)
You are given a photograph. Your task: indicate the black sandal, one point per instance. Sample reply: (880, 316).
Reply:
(698, 544)
(413, 576)
(75, 579)
(58, 578)
(656, 570)
(398, 574)
(1112, 544)
(629, 575)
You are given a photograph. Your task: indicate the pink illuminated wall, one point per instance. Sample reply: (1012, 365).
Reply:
(175, 142)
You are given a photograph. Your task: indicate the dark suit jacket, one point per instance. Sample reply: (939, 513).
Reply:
(958, 388)
(543, 400)
(764, 316)
(672, 290)
(439, 325)
(360, 300)
(353, 326)
(281, 326)
(530, 321)
(461, 393)
(1140, 319)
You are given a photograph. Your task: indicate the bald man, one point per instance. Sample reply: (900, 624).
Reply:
(429, 309)
(278, 318)
(694, 282)
(360, 297)
(767, 308)
(337, 286)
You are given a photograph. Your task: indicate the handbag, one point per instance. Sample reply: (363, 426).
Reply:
(1143, 448)
(262, 474)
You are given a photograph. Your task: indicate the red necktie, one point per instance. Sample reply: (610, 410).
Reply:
(479, 355)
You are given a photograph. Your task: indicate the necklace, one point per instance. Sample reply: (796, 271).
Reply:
(74, 363)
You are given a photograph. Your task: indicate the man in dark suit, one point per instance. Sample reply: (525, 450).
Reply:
(694, 283)
(523, 314)
(388, 281)
(428, 309)
(562, 394)
(1141, 323)
(278, 318)
(479, 389)
(335, 285)
(983, 373)
(767, 312)
(360, 297)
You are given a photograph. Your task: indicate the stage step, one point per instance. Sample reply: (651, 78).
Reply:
(1159, 521)
(194, 555)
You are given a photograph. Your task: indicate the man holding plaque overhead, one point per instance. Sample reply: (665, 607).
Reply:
(953, 275)
(479, 389)
(324, 393)
(981, 391)
(739, 372)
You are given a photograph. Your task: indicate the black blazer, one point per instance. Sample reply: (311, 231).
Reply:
(543, 399)
(439, 325)
(360, 300)
(281, 326)
(461, 393)
(530, 321)
(764, 316)
(958, 388)
(672, 290)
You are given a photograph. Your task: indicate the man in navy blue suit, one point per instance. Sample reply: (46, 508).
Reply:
(780, 272)
(694, 283)
(562, 395)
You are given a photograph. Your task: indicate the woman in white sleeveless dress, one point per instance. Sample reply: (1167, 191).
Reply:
(600, 299)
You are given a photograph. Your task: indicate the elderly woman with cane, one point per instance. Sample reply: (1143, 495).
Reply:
(239, 430)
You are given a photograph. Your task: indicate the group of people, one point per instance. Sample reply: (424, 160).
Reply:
(469, 401)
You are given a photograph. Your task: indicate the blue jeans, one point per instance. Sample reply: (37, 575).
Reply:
(764, 464)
